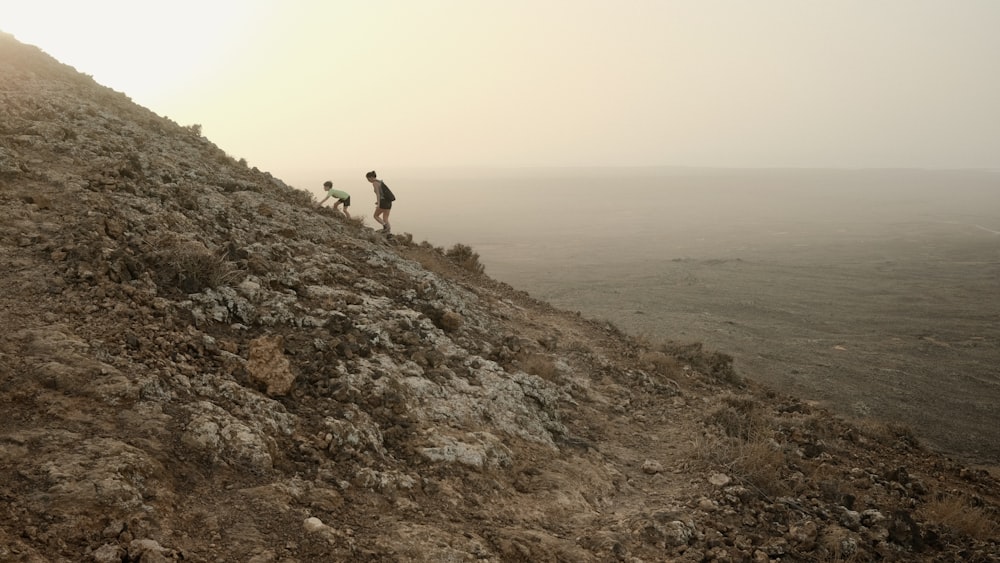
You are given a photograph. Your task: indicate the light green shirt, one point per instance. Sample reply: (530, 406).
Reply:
(337, 194)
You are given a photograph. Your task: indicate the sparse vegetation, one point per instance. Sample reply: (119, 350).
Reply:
(740, 417)
(437, 259)
(464, 256)
(538, 364)
(889, 433)
(758, 462)
(188, 265)
(450, 321)
(661, 363)
(963, 517)
(296, 197)
(715, 364)
(748, 450)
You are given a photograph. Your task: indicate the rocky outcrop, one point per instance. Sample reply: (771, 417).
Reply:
(268, 367)
(197, 365)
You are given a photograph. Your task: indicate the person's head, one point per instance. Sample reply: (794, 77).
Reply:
(370, 176)
(328, 184)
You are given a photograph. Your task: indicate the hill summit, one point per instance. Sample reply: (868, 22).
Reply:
(198, 364)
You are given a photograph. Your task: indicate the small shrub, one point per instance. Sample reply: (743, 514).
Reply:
(748, 451)
(745, 404)
(715, 364)
(759, 463)
(296, 197)
(450, 321)
(660, 363)
(464, 256)
(889, 433)
(537, 364)
(740, 418)
(188, 265)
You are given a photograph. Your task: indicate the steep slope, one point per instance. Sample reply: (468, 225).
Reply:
(197, 364)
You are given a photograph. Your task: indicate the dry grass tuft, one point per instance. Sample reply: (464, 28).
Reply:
(757, 463)
(889, 434)
(189, 265)
(538, 364)
(747, 451)
(962, 517)
(660, 363)
(740, 417)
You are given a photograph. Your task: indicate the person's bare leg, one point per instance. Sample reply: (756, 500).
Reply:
(385, 221)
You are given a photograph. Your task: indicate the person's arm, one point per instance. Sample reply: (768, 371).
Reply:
(377, 186)
(323, 200)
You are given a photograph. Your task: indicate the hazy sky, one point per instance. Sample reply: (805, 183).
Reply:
(299, 86)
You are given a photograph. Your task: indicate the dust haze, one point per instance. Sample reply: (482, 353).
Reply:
(569, 216)
(872, 292)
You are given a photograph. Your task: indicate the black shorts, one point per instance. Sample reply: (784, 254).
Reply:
(346, 202)
(385, 204)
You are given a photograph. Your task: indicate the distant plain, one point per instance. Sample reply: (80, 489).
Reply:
(875, 293)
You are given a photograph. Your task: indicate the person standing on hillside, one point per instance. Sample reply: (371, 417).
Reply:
(343, 198)
(383, 201)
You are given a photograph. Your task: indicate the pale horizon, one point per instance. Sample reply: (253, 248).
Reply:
(302, 88)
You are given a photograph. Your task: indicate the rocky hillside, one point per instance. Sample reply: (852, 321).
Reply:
(197, 364)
